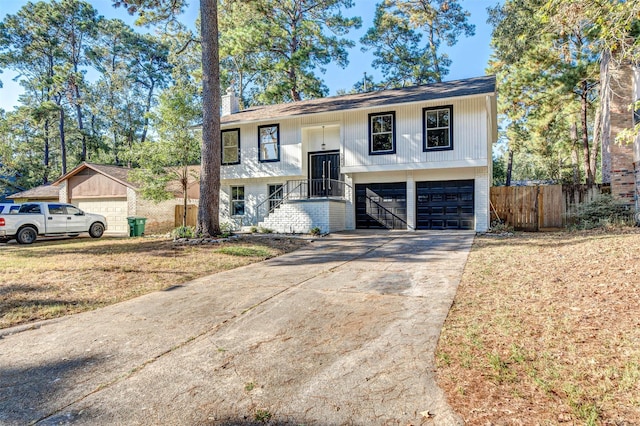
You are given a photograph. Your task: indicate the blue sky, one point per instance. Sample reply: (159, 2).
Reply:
(469, 55)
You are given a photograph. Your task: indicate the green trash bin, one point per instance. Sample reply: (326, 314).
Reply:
(136, 226)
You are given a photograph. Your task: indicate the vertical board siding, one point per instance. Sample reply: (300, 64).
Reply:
(470, 131)
(290, 163)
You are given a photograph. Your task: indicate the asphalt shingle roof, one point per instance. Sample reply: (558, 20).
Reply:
(42, 191)
(449, 89)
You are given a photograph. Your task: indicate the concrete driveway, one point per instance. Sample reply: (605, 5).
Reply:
(342, 332)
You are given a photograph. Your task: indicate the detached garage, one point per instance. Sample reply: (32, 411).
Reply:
(100, 189)
(107, 190)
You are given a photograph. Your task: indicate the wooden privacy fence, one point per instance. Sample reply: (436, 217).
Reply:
(192, 215)
(537, 208)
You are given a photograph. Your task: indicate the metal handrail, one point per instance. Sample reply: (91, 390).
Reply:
(382, 219)
(301, 189)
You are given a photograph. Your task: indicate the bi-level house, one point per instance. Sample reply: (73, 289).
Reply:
(411, 158)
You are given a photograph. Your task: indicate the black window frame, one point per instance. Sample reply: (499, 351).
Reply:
(233, 201)
(393, 133)
(636, 112)
(222, 132)
(425, 147)
(260, 159)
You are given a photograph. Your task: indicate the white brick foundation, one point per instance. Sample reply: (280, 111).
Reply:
(303, 215)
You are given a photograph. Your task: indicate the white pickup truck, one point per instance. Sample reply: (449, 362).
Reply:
(34, 219)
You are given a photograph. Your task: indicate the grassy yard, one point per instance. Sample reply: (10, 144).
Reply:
(50, 279)
(545, 330)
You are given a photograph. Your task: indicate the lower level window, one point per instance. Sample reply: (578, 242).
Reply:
(237, 200)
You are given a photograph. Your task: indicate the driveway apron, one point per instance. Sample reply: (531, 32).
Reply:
(341, 332)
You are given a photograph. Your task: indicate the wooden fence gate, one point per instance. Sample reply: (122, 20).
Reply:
(538, 208)
(192, 215)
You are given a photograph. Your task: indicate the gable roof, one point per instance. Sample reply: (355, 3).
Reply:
(42, 192)
(117, 173)
(450, 89)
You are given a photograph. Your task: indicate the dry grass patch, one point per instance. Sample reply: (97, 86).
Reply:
(545, 330)
(55, 278)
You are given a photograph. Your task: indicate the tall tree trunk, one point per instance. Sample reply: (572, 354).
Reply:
(585, 135)
(595, 148)
(573, 134)
(509, 168)
(147, 109)
(83, 152)
(185, 188)
(208, 209)
(116, 160)
(434, 54)
(45, 177)
(63, 143)
(605, 115)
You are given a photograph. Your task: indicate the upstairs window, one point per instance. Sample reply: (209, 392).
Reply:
(437, 123)
(237, 200)
(230, 147)
(269, 143)
(382, 136)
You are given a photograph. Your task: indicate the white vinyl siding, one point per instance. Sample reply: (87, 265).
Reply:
(469, 130)
(293, 155)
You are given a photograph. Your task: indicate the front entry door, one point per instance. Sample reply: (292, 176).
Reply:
(324, 174)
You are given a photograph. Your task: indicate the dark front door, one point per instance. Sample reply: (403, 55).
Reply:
(381, 206)
(324, 174)
(445, 204)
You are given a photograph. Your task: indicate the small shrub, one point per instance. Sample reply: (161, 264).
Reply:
(253, 229)
(315, 231)
(499, 227)
(184, 232)
(227, 228)
(264, 230)
(262, 416)
(602, 212)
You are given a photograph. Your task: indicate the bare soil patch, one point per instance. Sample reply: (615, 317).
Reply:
(50, 279)
(545, 330)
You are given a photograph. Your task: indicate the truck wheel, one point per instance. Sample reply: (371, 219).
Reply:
(96, 230)
(26, 235)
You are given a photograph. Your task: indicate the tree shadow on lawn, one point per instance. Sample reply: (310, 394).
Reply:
(159, 248)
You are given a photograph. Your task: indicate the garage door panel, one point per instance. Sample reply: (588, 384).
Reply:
(381, 206)
(445, 204)
(114, 209)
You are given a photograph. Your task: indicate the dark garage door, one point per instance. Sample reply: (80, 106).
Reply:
(381, 206)
(445, 204)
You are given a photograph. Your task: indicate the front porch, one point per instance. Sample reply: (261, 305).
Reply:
(301, 205)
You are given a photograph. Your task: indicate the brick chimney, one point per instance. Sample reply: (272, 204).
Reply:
(230, 104)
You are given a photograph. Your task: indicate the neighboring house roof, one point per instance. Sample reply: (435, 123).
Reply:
(39, 192)
(449, 89)
(117, 173)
